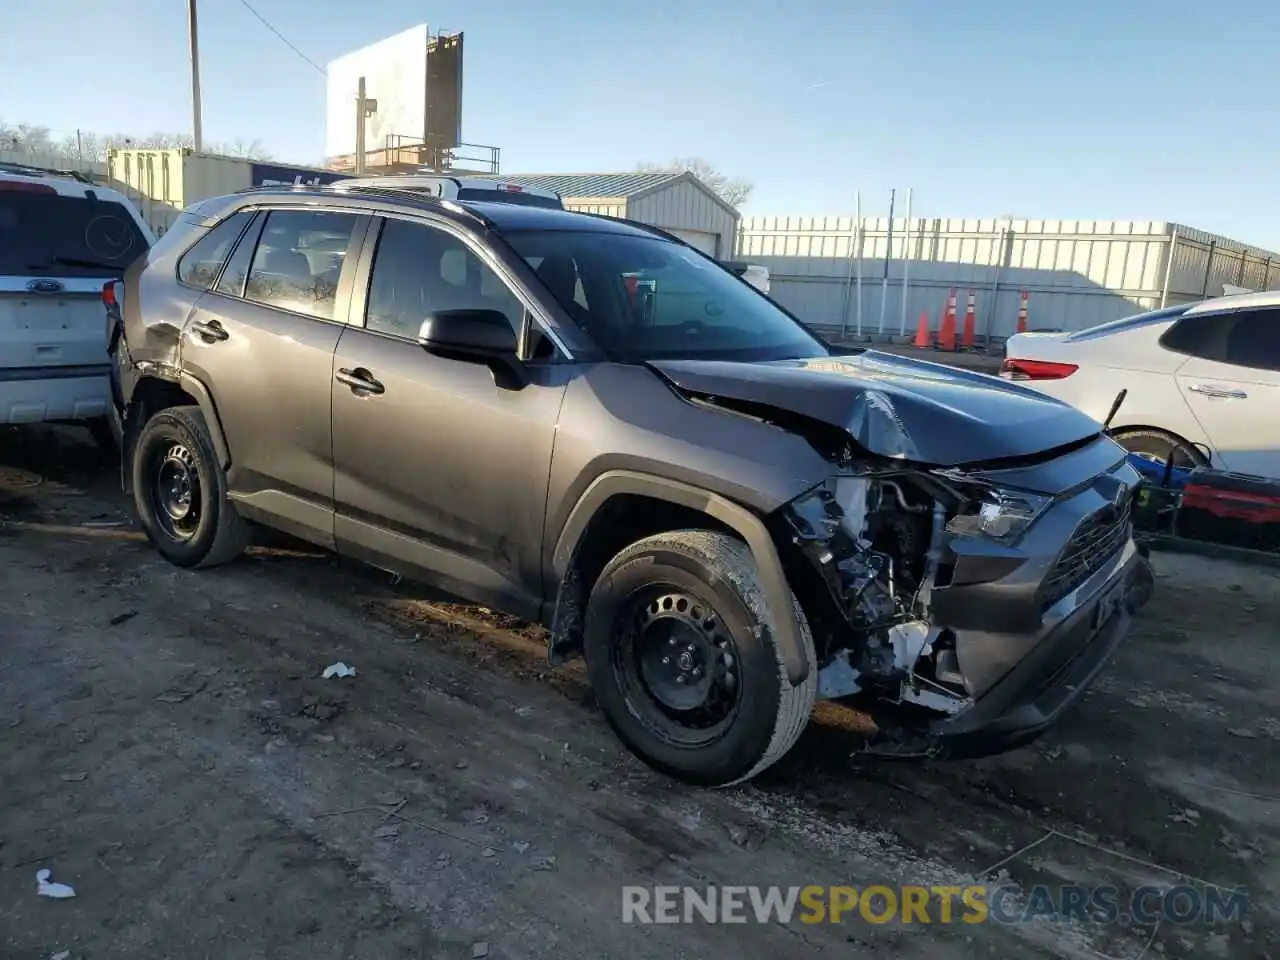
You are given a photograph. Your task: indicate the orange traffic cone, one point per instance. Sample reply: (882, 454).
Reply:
(924, 338)
(1022, 312)
(970, 323)
(947, 335)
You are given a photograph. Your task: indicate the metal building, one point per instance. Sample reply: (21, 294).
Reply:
(679, 203)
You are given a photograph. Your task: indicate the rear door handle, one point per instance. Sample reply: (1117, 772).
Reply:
(211, 331)
(1209, 390)
(359, 380)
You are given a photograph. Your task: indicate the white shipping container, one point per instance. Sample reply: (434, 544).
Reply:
(163, 182)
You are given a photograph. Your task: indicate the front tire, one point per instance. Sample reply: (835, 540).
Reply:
(180, 491)
(682, 656)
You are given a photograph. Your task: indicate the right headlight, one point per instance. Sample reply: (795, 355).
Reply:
(1000, 515)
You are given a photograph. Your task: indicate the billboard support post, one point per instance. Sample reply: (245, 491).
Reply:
(365, 108)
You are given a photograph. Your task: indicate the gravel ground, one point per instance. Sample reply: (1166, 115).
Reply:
(168, 748)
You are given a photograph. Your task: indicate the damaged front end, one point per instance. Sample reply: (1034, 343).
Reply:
(958, 605)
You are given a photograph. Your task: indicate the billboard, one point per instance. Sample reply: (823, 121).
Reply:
(395, 73)
(444, 91)
(274, 175)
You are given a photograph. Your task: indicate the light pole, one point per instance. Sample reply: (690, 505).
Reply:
(193, 37)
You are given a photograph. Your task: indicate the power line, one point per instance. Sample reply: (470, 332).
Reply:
(283, 39)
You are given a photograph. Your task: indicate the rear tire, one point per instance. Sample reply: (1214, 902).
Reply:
(180, 491)
(1161, 444)
(681, 651)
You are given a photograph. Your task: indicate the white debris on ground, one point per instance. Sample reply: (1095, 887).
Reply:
(59, 891)
(338, 669)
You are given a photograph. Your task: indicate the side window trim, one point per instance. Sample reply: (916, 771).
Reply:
(363, 276)
(248, 240)
(213, 282)
(355, 247)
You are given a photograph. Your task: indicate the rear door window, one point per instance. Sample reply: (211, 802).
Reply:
(298, 261)
(49, 235)
(1255, 340)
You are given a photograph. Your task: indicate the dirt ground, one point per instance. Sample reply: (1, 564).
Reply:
(168, 748)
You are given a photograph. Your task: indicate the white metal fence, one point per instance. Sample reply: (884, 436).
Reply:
(873, 277)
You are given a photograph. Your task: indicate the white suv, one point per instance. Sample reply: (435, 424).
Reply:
(62, 238)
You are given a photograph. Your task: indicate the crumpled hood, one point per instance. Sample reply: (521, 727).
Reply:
(895, 406)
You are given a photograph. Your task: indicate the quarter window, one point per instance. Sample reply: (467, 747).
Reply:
(419, 270)
(298, 261)
(200, 265)
(1247, 338)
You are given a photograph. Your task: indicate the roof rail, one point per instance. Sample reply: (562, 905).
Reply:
(27, 169)
(390, 193)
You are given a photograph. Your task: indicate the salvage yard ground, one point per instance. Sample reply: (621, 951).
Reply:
(168, 748)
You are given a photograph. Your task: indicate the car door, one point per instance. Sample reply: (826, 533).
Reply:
(441, 466)
(262, 341)
(1231, 382)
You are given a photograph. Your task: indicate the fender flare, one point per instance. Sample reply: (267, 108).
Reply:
(205, 399)
(773, 579)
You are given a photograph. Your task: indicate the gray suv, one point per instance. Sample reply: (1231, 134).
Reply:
(587, 423)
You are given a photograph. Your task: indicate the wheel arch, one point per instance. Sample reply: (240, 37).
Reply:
(589, 523)
(1126, 429)
(153, 393)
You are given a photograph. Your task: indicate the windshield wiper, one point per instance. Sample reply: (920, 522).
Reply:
(75, 262)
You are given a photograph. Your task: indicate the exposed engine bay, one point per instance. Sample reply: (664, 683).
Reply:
(877, 543)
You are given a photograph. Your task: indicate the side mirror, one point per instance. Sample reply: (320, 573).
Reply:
(479, 334)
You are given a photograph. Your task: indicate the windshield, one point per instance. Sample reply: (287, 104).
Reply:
(645, 298)
(47, 235)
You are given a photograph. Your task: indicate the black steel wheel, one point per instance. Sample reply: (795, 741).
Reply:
(678, 664)
(176, 491)
(679, 645)
(180, 491)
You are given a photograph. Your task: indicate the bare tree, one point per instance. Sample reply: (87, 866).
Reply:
(89, 147)
(25, 138)
(732, 190)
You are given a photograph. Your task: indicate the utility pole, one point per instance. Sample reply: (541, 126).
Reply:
(193, 37)
(365, 108)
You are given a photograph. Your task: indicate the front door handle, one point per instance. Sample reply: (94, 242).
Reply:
(1209, 390)
(359, 380)
(210, 331)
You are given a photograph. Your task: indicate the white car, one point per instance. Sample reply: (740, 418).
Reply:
(62, 238)
(459, 188)
(1204, 377)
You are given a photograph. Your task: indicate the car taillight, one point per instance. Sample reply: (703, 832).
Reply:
(1036, 369)
(109, 294)
(25, 186)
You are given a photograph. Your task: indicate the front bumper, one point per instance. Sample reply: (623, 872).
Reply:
(1054, 674)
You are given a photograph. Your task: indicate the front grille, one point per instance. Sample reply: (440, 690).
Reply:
(1097, 539)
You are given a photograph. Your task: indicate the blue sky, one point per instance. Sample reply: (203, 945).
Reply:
(1128, 109)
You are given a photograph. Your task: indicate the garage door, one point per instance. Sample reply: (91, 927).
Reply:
(706, 242)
